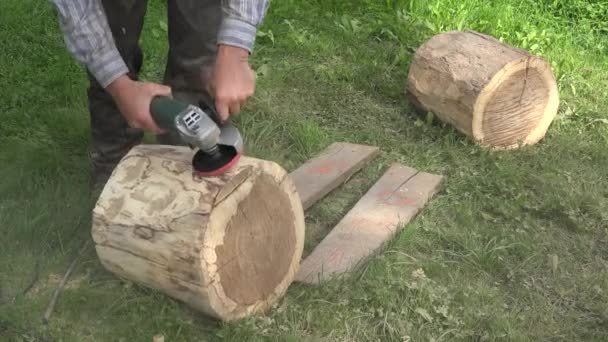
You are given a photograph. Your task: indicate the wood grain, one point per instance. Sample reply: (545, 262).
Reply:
(324, 173)
(227, 246)
(498, 95)
(393, 201)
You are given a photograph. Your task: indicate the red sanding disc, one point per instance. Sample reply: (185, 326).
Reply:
(221, 170)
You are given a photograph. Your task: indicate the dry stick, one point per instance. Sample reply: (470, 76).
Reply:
(34, 278)
(49, 309)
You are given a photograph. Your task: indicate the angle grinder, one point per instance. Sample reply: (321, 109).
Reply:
(219, 145)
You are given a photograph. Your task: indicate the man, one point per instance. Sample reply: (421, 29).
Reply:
(209, 45)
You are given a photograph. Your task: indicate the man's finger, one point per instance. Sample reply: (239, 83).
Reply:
(235, 107)
(160, 89)
(223, 110)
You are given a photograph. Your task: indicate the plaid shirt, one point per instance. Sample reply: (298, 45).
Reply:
(89, 39)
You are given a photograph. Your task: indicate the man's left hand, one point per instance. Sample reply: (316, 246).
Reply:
(233, 80)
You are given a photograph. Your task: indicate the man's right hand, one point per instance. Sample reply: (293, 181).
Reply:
(133, 99)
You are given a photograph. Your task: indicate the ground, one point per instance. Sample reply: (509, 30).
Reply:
(514, 248)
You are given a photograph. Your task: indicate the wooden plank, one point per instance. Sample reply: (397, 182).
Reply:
(393, 201)
(324, 173)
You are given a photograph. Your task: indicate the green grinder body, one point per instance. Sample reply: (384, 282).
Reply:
(164, 110)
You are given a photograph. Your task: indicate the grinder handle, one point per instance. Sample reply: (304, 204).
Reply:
(164, 110)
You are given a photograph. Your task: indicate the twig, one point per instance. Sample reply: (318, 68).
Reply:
(34, 278)
(49, 309)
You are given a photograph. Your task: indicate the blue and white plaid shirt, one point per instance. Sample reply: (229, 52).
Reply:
(89, 39)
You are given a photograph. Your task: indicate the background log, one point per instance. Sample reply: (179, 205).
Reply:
(498, 95)
(228, 246)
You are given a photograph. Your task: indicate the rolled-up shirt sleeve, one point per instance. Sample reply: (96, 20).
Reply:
(240, 22)
(88, 38)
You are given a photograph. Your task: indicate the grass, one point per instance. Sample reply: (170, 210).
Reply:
(514, 249)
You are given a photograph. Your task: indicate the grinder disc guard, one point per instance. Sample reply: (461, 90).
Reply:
(208, 165)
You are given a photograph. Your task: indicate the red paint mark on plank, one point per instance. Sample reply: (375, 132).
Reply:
(324, 173)
(329, 166)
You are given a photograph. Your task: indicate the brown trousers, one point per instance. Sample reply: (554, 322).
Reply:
(193, 27)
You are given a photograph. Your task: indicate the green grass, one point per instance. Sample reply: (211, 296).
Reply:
(514, 249)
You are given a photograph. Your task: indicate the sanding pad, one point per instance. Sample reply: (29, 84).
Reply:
(206, 165)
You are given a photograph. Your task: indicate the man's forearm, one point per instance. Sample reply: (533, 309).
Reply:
(240, 22)
(88, 38)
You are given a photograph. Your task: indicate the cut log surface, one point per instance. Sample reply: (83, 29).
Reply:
(228, 246)
(324, 173)
(393, 201)
(498, 95)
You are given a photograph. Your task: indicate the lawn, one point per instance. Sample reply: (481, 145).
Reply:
(515, 247)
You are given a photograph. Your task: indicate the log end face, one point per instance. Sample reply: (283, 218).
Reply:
(517, 106)
(551, 107)
(256, 242)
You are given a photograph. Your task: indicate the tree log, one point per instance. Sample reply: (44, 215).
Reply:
(500, 96)
(228, 246)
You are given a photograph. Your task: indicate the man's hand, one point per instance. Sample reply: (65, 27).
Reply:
(133, 99)
(233, 80)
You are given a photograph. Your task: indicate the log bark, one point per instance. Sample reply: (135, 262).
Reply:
(228, 246)
(498, 95)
